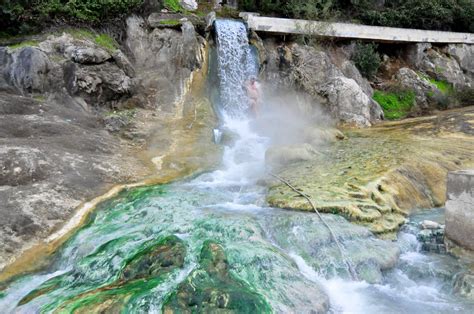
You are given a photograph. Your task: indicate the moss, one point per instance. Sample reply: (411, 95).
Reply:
(173, 5)
(443, 86)
(172, 22)
(102, 40)
(105, 41)
(81, 33)
(40, 98)
(28, 43)
(396, 105)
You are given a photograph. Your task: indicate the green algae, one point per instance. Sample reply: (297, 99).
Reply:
(211, 288)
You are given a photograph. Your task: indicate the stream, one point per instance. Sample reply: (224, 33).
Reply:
(210, 243)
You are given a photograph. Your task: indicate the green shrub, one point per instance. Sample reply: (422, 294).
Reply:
(173, 5)
(367, 59)
(395, 104)
(23, 16)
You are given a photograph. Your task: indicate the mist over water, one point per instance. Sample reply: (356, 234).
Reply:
(286, 257)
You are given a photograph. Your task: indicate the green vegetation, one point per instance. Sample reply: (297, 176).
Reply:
(24, 16)
(465, 96)
(172, 22)
(454, 15)
(173, 5)
(395, 104)
(367, 59)
(102, 40)
(28, 43)
(107, 42)
(443, 86)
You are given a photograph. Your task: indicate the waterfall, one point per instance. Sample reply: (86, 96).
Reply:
(235, 64)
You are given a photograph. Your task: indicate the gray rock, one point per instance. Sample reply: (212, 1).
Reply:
(160, 20)
(20, 166)
(415, 53)
(165, 59)
(464, 285)
(428, 224)
(98, 84)
(190, 5)
(87, 55)
(464, 55)
(5, 60)
(347, 101)
(122, 61)
(410, 80)
(460, 208)
(53, 156)
(350, 71)
(29, 69)
(445, 68)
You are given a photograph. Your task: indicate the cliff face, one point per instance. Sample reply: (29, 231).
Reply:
(434, 77)
(78, 116)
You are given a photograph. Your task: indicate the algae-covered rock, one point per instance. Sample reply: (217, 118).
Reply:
(154, 262)
(377, 176)
(167, 255)
(212, 288)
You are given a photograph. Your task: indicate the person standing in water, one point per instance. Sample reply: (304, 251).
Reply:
(253, 89)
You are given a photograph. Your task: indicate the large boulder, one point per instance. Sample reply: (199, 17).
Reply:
(29, 70)
(347, 101)
(464, 55)
(165, 59)
(445, 68)
(99, 83)
(87, 55)
(424, 90)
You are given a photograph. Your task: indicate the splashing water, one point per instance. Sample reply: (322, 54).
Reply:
(210, 244)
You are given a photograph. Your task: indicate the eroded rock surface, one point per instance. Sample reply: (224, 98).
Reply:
(377, 176)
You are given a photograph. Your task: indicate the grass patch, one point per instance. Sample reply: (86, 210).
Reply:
(102, 40)
(395, 105)
(28, 43)
(173, 5)
(444, 87)
(105, 41)
(171, 22)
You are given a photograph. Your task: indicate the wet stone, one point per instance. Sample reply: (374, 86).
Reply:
(212, 288)
(162, 258)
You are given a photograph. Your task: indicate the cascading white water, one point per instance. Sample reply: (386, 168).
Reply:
(236, 63)
(243, 160)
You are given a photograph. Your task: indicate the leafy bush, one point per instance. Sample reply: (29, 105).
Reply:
(367, 59)
(20, 16)
(454, 15)
(395, 104)
(315, 9)
(173, 5)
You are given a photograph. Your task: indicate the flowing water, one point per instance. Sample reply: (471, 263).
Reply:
(210, 244)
